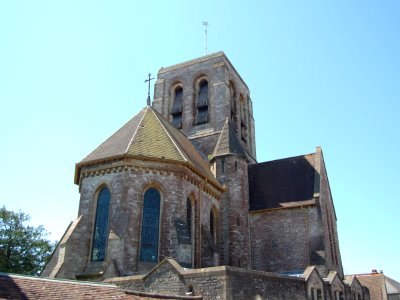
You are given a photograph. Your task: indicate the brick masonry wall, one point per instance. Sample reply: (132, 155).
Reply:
(234, 209)
(284, 239)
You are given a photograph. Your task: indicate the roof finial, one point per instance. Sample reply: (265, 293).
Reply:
(148, 93)
(205, 24)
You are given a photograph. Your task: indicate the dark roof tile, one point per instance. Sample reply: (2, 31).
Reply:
(276, 183)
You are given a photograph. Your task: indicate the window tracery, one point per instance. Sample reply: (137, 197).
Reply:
(150, 226)
(101, 225)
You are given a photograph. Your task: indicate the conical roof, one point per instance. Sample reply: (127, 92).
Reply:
(228, 142)
(150, 135)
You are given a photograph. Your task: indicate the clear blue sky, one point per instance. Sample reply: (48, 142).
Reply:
(321, 73)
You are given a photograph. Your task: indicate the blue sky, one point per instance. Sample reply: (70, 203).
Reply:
(321, 73)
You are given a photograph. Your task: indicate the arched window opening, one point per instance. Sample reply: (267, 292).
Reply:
(243, 120)
(191, 227)
(177, 107)
(202, 103)
(212, 224)
(189, 216)
(101, 225)
(232, 93)
(150, 226)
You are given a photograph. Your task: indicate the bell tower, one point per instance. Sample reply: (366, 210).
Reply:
(209, 102)
(198, 95)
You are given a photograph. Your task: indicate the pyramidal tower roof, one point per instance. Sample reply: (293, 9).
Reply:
(228, 142)
(148, 135)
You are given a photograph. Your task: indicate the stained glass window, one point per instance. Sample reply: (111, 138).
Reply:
(202, 103)
(150, 226)
(101, 226)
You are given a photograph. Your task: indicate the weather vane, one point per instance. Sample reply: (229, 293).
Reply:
(148, 93)
(205, 24)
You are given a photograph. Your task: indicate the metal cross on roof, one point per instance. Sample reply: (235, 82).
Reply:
(148, 93)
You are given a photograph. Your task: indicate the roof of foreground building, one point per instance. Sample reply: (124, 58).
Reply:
(27, 287)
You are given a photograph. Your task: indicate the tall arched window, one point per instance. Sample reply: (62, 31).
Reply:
(189, 215)
(101, 225)
(150, 226)
(176, 111)
(212, 223)
(243, 122)
(202, 103)
(191, 226)
(232, 93)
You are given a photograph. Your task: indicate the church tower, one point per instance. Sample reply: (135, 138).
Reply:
(198, 96)
(209, 102)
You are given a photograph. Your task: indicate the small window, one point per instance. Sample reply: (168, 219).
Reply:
(202, 103)
(319, 294)
(222, 166)
(101, 226)
(235, 166)
(177, 107)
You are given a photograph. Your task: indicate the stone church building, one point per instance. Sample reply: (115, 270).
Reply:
(175, 202)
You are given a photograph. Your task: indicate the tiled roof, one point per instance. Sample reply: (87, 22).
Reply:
(278, 183)
(25, 287)
(379, 285)
(375, 283)
(228, 142)
(148, 134)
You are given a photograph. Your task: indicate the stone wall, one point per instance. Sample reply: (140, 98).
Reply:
(127, 184)
(333, 257)
(220, 74)
(284, 239)
(216, 283)
(235, 241)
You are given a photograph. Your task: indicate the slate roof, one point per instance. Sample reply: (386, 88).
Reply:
(279, 183)
(228, 142)
(26, 287)
(148, 134)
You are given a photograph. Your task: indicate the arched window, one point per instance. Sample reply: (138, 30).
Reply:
(189, 216)
(191, 226)
(212, 224)
(232, 94)
(243, 122)
(202, 103)
(101, 225)
(176, 111)
(150, 226)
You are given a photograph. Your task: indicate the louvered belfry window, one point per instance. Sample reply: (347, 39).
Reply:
(177, 107)
(202, 103)
(101, 226)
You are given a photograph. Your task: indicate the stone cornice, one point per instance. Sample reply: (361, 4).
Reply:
(155, 166)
